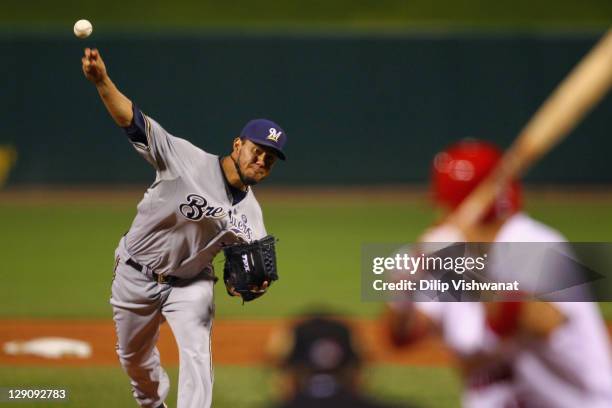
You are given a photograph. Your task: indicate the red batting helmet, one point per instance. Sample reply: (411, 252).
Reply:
(458, 170)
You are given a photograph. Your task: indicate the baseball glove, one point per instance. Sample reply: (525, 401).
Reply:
(250, 268)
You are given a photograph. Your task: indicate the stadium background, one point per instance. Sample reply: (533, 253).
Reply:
(367, 92)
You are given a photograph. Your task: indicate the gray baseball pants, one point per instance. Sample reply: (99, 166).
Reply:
(140, 305)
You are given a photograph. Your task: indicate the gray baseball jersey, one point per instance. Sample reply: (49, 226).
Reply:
(187, 206)
(181, 221)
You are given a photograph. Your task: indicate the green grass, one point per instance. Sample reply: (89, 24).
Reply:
(578, 220)
(59, 259)
(243, 387)
(306, 14)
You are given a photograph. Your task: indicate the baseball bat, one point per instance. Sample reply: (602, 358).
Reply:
(582, 89)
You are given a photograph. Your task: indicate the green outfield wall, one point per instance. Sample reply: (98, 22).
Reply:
(358, 109)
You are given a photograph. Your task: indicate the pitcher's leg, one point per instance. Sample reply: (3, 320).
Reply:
(137, 314)
(189, 311)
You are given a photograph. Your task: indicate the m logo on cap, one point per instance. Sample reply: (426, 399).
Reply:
(274, 135)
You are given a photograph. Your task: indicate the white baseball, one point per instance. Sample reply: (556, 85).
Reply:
(82, 28)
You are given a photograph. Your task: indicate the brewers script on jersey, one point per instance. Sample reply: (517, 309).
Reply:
(163, 269)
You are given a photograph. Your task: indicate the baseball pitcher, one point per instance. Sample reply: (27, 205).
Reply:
(198, 205)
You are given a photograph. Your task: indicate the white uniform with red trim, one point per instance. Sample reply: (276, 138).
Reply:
(572, 368)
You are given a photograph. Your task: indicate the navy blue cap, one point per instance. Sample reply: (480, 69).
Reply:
(266, 133)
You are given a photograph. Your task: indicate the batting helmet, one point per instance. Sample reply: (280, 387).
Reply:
(457, 171)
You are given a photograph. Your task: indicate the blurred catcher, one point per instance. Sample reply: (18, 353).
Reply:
(322, 366)
(198, 204)
(514, 353)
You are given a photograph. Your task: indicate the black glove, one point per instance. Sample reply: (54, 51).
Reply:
(250, 268)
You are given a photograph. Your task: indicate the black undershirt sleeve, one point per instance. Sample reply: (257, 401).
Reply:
(136, 131)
